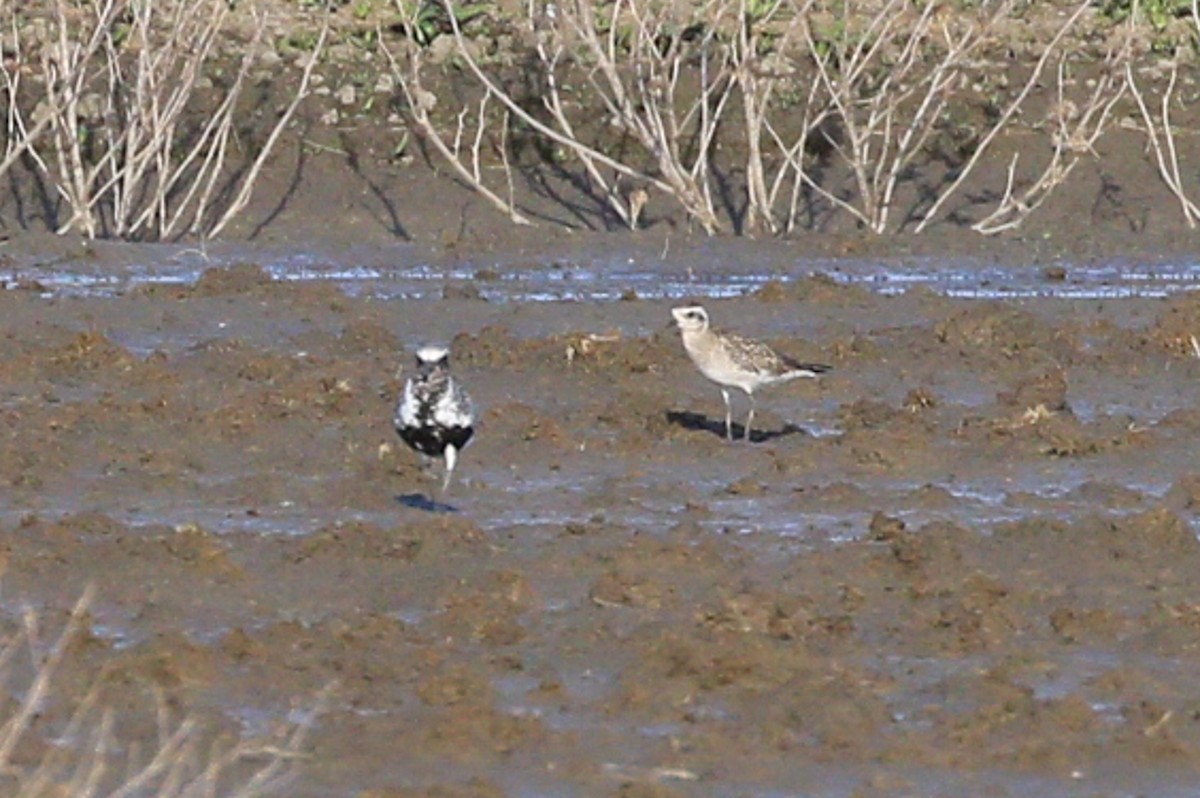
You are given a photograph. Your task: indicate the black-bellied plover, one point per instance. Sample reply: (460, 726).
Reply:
(735, 362)
(434, 415)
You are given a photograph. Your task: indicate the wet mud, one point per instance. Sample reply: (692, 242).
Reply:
(963, 561)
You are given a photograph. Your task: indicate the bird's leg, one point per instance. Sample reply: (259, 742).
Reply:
(451, 456)
(749, 416)
(728, 415)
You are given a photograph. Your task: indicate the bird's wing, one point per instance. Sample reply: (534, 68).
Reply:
(752, 355)
(408, 408)
(454, 409)
(756, 356)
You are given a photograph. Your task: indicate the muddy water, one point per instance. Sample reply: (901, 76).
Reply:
(713, 269)
(963, 562)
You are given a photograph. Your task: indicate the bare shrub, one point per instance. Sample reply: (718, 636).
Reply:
(891, 82)
(130, 151)
(869, 81)
(184, 762)
(1159, 130)
(1160, 136)
(20, 138)
(663, 76)
(1011, 110)
(471, 129)
(887, 81)
(764, 49)
(658, 71)
(1074, 127)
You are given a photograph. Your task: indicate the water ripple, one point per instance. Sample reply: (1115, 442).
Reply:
(712, 271)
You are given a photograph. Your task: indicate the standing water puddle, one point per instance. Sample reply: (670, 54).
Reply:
(709, 270)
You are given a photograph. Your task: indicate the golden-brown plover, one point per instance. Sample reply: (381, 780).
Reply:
(434, 415)
(735, 362)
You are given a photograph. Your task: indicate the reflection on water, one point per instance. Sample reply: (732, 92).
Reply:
(715, 270)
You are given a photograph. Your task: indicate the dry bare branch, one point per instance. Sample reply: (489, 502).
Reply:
(667, 75)
(888, 81)
(1002, 123)
(247, 183)
(639, 82)
(20, 138)
(1160, 135)
(552, 101)
(1074, 132)
(420, 102)
(762, 51)
(184, 763)
(15, 727)
(126, 151)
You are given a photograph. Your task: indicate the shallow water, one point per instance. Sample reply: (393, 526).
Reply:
(707, 271)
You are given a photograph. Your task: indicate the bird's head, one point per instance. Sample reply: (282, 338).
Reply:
(692, 318)
(431, 357)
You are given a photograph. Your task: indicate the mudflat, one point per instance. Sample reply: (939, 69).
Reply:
(965, 559)
(961, 563)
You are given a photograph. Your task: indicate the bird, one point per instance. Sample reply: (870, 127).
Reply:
(735, 362)
(434, 415)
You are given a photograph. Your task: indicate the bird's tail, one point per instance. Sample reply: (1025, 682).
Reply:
(797, 369)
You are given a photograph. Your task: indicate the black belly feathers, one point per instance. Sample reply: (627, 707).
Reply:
(431, 439)
(435, 416)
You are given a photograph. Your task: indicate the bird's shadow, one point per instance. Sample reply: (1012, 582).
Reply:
(699, 421)
(419, 501)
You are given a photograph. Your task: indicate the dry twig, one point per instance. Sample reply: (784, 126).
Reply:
(1160, 134)
(120, 80)
(1074, 132)
(1005, 118)
(184, 762)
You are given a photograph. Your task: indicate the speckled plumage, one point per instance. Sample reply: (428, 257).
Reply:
(732, 361)
(435, 415)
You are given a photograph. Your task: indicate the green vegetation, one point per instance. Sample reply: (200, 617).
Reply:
(298, 41)
(427, 20)
(1157, 13)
